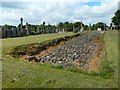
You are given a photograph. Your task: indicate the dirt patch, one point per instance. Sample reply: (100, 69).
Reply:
(83, 52)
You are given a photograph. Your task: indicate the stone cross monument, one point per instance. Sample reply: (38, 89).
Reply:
(21, 24)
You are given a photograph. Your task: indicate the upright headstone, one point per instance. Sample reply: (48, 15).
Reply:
(81, 30)
(25, 32)
(99, 29)
(56, 30)
(63, 30)
(14, 31)
(0, 32)
(104, 27)
(18, 32)
(3, 33)
(38, 30)
(29, 29)
(9, 33)
(90, 27)
(26, 28)
(113, 26)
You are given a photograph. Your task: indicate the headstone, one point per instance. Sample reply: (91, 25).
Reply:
(29, 29)
(38, 30)
(63, 30)
(81, 30)
(26, 28)
(56, 30)
(90, 27)
(0, 32)
(18, 32)
(9, 33)
(3, 33)
(113, 26)
(25, 32)
(99, 29)
(14, 31)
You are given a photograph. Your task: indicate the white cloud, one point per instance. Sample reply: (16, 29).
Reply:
(56, 11)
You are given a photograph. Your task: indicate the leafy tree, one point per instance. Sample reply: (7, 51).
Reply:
(86, 27)
(7, 26)
(66, 26)
(116, 18)
(100, 25)
(60, 26)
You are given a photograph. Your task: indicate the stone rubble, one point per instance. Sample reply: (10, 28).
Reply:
(75, 52)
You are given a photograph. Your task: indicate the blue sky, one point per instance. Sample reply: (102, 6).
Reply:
(91, 3)
(35, 12)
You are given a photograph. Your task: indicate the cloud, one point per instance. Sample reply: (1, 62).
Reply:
(14, 5)
(55, 11)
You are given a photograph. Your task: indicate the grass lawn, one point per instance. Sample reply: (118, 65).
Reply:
(10, 42)
(20, 74)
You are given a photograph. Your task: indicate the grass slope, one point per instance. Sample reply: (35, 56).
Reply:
(21, 74)
(9, 42)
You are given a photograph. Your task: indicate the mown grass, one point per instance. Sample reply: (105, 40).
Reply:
(22, 74)
(10, 42)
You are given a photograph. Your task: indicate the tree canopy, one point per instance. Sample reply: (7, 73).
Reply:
(116, 18)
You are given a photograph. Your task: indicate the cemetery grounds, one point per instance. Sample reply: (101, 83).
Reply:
(21, 74)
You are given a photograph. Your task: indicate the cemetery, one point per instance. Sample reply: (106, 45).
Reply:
(28, 29)
(71, 53)
(63, 55)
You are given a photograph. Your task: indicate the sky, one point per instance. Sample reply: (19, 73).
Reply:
(55, 11)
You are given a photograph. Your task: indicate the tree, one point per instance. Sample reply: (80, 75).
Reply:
(100, 25)
(86, 27)
(7, 26)
(116, 19)
(60, 26)
(66, 26)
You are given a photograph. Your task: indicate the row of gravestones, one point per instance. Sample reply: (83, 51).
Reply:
(16, 32)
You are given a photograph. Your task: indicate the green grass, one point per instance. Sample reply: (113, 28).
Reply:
(10, 42)
(26, 74)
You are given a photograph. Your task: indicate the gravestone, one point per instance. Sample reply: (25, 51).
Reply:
(81, 30)
(14, 32)
(26, 28)
(9, 33)
(24, 32)
(29, 29)
(56, 30)
(38, 30)
(0, 32)
(18, 32)
(90, 27)
(63, 30)
(99, 29)
(3, 33)
(113, 26)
